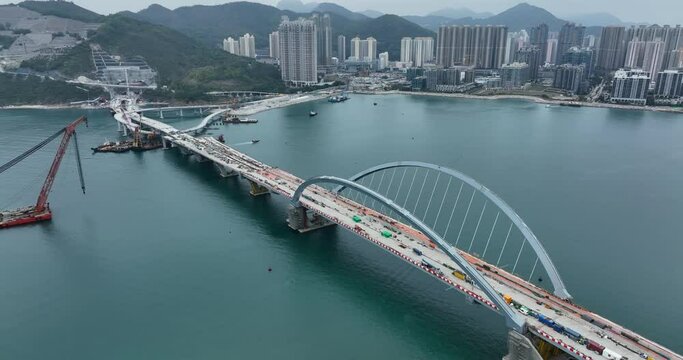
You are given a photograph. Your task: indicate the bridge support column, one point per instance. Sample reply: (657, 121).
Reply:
(181, 112)
(521, 348)
(225, 171)
(184, 151)
(257, 189)
(299, 219)
(125, 130)
(161, 114)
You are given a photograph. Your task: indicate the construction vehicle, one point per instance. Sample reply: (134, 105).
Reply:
(41, 210)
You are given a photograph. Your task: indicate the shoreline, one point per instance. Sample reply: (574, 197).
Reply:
(534, 99)
(287, 100)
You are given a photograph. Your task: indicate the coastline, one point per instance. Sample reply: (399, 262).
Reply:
(532, 99)
(287, 100)
(277, 102)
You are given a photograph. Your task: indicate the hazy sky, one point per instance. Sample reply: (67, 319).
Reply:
(653, 11)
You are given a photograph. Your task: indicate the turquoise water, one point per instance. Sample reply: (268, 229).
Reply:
(163, 259)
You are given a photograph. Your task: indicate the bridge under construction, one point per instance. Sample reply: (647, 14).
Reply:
(385, 206)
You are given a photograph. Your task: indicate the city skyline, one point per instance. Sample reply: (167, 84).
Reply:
(659, 12)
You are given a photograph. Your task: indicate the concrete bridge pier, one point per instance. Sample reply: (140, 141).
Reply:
(161, 114)
(298, 218)
(520, 347)
(184, 151)
(225, 171)
(257, 189)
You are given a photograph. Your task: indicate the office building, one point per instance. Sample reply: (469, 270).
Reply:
(231, 45)
(611, 49)
(323, 25)
(514, 75)
(480, 46)
(274, 45)
(669, 84)
(630, 86)
(569, 77)
(341, 48)
(298, 51)
(538, 37)
(247, 46)
(570, 35)
(530, 55)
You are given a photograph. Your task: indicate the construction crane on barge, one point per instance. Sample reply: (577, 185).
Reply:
(41, 210)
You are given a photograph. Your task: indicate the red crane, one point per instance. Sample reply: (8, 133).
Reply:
(41, 210)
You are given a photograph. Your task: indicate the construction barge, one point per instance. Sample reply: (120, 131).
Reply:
(138, 144)
(234, 119)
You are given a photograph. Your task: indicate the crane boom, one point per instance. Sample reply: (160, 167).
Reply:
(69, 131)
(41, 211)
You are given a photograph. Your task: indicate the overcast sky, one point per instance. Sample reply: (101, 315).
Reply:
(653, 11)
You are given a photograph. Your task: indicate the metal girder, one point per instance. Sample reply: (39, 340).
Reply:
(559, 288)
(512, 318)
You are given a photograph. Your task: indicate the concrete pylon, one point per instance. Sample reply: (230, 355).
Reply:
(257, 189)
(299, 219)
(521, 348)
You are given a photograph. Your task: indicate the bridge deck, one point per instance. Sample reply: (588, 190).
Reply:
(340, 210)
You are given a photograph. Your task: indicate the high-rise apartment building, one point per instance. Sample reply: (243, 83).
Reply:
(247, 46)
(538, 37)
(630, 86)
(406, 50)
(274, 45)
(580, 56)
(611, 49)
(323, 25)
(341, 48)
(570, 35)
(231, 45)
(514, 75)
(569, 77)
(551, 55)
(383, 61)
(653, 57)
(669, 84)
(530, 55)
(588, 41)
(298, 51)
(479, 46)
(419, 50)
(364, 50)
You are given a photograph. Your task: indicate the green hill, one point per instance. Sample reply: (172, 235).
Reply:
(211, 24)
(183, 64)
(30, 90)
(63, 9)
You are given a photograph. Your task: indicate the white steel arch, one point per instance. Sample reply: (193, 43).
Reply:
(559, 288)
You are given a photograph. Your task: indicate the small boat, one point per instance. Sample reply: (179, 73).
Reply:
(254, 141)
(221, 138)
(312, 113)
(374, 104)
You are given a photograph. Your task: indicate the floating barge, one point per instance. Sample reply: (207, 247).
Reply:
(234, 119)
